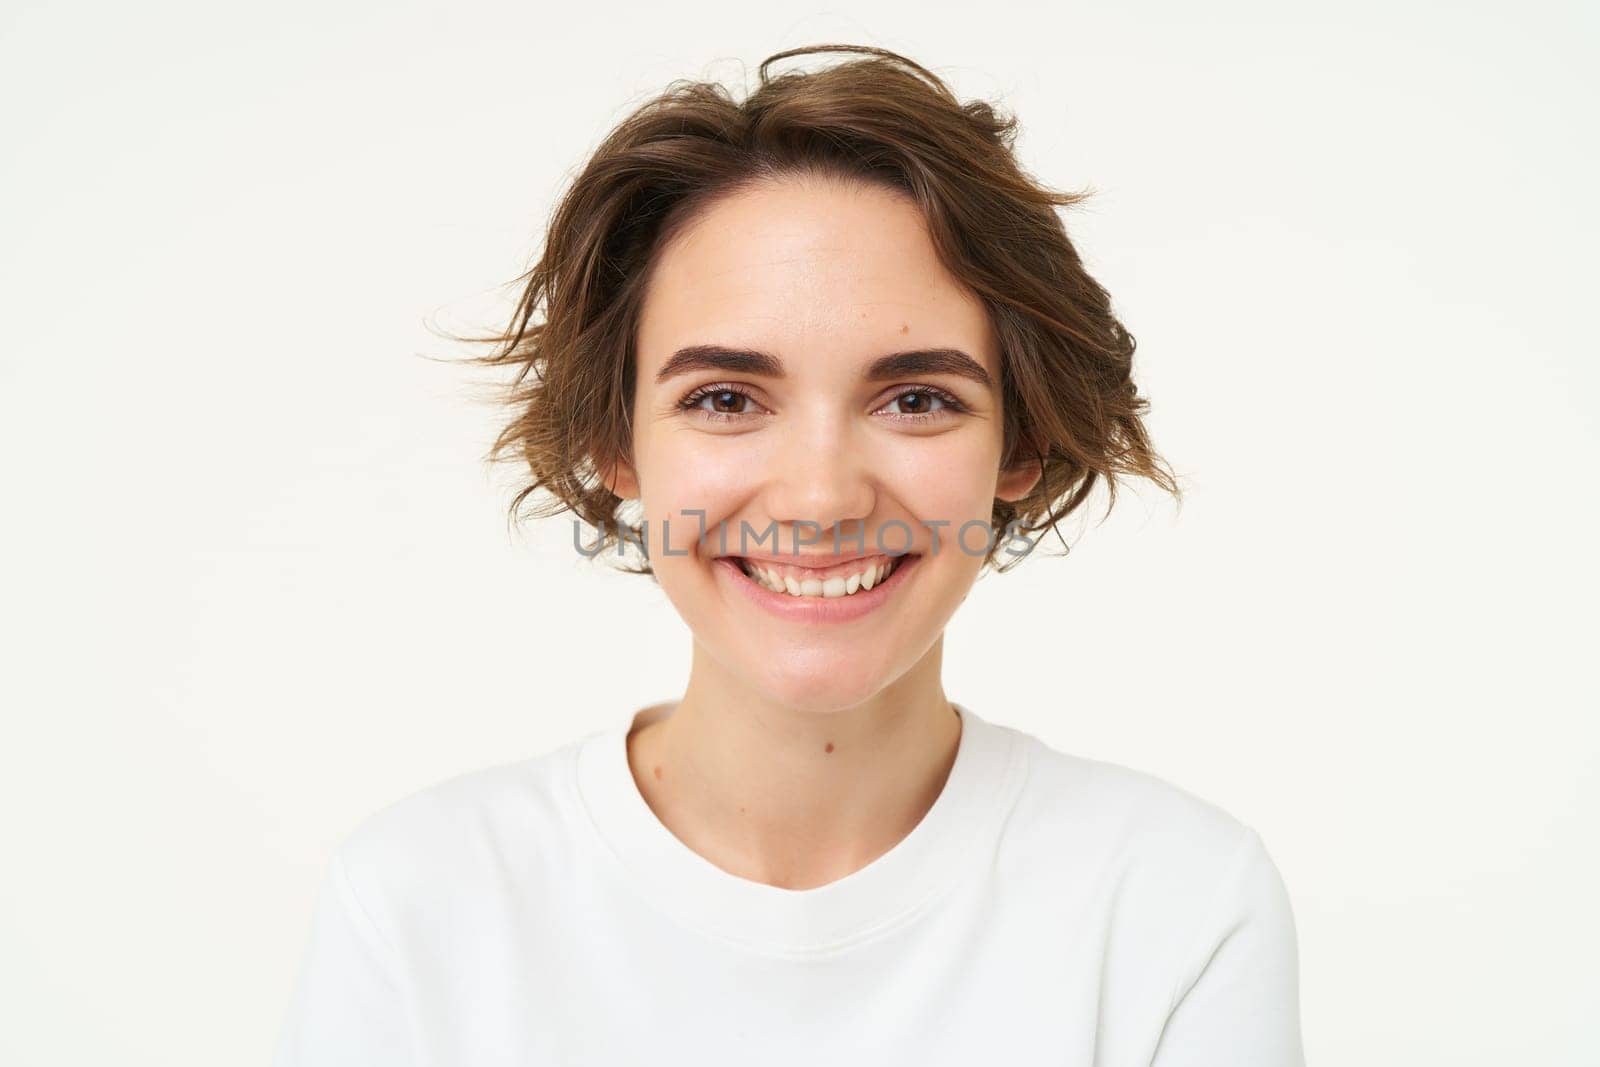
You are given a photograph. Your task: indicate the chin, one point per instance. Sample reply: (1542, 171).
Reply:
(807, 692)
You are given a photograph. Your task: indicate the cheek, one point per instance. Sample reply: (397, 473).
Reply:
(950, 481)
(952, 477)
(687, 473)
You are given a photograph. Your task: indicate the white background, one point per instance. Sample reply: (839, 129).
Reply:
(259, 582)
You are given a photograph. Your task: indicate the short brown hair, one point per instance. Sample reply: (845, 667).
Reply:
(1069, 400)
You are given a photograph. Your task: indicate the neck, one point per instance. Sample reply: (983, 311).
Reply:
(794, 797)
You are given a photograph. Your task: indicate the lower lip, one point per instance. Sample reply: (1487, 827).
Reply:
(810, 609)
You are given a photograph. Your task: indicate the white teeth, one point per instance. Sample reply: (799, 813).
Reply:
(831, 588)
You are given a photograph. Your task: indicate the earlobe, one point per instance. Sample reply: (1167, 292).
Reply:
(621, 480)
(1018, 480)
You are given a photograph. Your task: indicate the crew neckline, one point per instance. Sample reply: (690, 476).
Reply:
(950, 841)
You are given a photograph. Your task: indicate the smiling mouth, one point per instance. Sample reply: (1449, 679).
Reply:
(805, 583)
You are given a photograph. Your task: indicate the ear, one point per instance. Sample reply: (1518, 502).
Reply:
(1018, 479)
(620, 477)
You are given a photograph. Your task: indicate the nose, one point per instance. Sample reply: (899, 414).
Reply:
(820, 475)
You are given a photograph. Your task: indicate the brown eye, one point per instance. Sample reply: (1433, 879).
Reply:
(922, 404)
(717, 402)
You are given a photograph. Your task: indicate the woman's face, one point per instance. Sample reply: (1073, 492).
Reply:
(764, 400)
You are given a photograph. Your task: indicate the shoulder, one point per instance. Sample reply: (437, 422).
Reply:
(1156, 851)
(445, 837)
(1122, 804)
(1185, 910)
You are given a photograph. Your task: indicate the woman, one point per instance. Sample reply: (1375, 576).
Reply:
(839, 353)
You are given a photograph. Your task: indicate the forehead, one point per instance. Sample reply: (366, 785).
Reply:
(808, 267)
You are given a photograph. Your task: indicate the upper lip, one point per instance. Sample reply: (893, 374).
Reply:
(814, 560)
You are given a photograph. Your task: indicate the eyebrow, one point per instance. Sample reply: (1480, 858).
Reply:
(884, 368)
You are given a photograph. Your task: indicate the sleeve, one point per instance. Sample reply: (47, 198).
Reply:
(1238, 1002)
(346, 1009)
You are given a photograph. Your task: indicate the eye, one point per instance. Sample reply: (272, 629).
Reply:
(722, 397)
(923, 397)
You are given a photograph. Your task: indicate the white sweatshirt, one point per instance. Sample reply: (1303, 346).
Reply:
(1047, 909)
